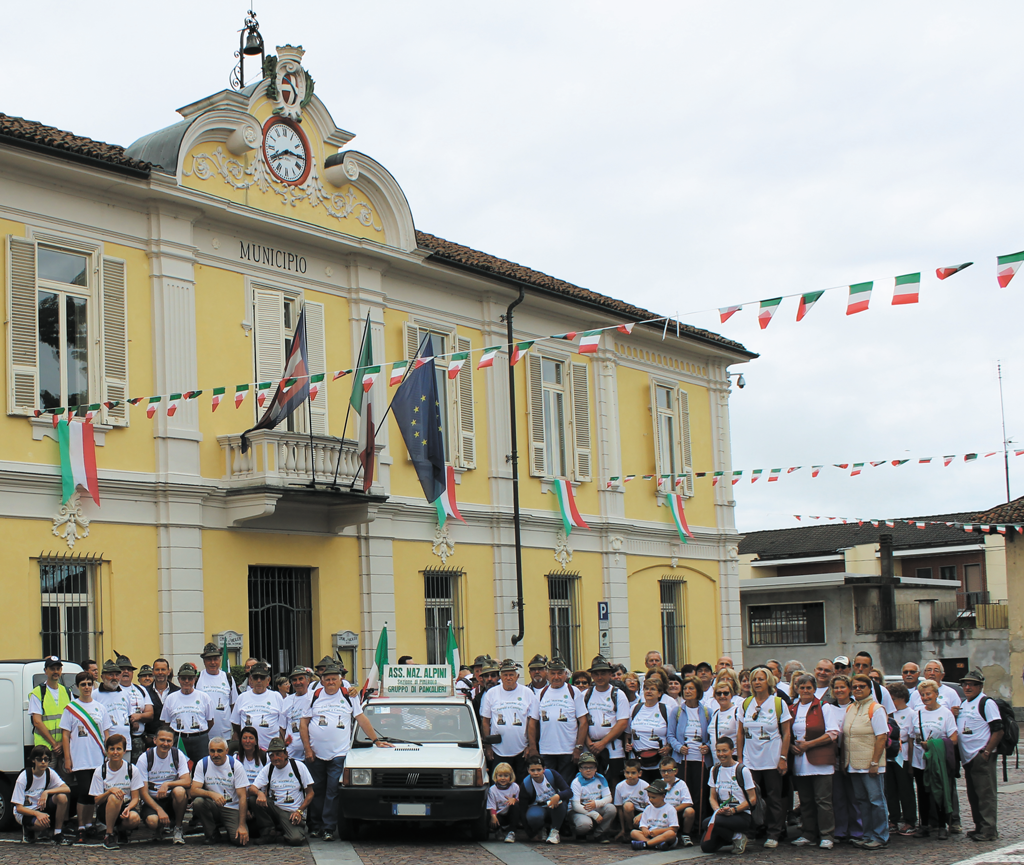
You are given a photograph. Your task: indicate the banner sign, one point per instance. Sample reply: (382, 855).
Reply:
(412, 680)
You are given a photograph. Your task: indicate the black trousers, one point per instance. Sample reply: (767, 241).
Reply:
(695, 775)
(723, 830)
(932, 812)
(899, 793)
(770, 782)
(562, 764)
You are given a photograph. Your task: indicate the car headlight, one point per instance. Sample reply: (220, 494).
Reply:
(362, 777)
(464, 777)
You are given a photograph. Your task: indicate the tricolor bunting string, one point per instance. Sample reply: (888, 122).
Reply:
(890, 523)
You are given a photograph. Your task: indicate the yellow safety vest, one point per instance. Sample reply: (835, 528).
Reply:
(52, 712)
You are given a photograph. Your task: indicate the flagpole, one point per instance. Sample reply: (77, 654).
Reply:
(516, 638)
(348, 411)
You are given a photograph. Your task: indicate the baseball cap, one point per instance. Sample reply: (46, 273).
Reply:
(842, 659)
(52, 661)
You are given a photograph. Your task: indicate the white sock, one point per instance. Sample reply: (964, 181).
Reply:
(736, 836)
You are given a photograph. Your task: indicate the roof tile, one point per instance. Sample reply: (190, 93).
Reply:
(1011, 512)
(49, 136)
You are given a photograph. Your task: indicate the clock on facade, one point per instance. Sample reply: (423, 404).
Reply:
(286, 150)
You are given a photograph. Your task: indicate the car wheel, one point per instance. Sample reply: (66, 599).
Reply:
(6, 808)
(479, 828)
(348, 829)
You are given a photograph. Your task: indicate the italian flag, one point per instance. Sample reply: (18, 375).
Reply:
(91, 412)
(452, 653)
(369, 377)
(946, 460)
(151, 406)
(806, 302)
(569, 335)
(727, 312)
(262, 392)
(755, 475)
(943, 272)
(341, 373)
(380, 661)
(774, 474)
(420, 361)
(1007, 267)
(675, 506)
(181, 747)
(519, 350)
(768, 309)
(397, 372)
(816, 470)
(907, 289)
(487, 358)
(571, 518)
(898, 463)
(314, 385)
(456, 363)
(968, 458)
(856, 469)
(628, 478)
(877, 463)
(736, 477)
(626, 328)
(172, 404)
(611, 482)
(860, 297)
(589, 341)
(925, 460)
(445, 503)
(240, 392)
(77, 459)
(218, 395)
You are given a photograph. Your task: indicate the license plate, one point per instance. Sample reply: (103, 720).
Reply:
(410, 809)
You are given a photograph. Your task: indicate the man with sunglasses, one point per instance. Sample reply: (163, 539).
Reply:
(862, 665)
(260, 707)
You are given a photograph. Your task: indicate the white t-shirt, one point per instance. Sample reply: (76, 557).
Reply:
(678, 794)
(294, 707)
(649, 728)
(261, 711)
(947, 697)
(973, 729)
(543, 789)
(559, 711)
(497, 799)
(286, 790)
(723, 723)
(604, 715)
(86, 752)
(900, 717)
(659, 818)
(118, 778)
(688, 731)
(784, 687)
(508, 713)
(222, 779)
(222, 693)
(801, 765)
(821, 691)
(879, 725)
(762, 738)
(637, 794)
(729, 793)
(163, 769)
(331, 718)
(250, 767)
(30, 795)
(139, 698)
(594, 790)
(189, 713)
(938, 723)
(35, 705)
(119, 707)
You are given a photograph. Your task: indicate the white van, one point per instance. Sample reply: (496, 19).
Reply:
(17, 679)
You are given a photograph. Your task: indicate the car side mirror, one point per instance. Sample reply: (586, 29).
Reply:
(493, 739)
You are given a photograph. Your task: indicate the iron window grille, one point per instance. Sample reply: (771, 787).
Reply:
(281, 616)
(786, 624)
(69, 595)
(563, 604)
(673, 623)
(441, 603)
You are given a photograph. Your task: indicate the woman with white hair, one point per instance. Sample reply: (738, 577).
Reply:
(926, 726)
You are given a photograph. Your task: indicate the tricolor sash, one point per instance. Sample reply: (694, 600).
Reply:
(87, 721)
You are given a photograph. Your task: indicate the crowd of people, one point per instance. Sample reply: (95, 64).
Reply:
(657, 759)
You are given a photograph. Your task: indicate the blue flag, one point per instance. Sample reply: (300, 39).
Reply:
(417, 409)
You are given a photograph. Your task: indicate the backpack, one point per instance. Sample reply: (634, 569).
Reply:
(151, 757)
(103, 771)
(1011, 730)
(28, 782)
(295, 771)
(639, 705)
(892, 735)
(42, 690)
(206, 764)
(778, 710)
(544, 690)
(757, 813)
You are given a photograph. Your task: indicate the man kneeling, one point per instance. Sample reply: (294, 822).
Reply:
(115, 790)
(219, 787)
(290, 788)
(164, 771)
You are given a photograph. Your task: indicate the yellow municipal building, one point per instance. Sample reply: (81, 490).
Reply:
(181, 264)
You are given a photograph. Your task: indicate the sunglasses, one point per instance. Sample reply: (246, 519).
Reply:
(254, 678)
(757, 712)
(42, 759)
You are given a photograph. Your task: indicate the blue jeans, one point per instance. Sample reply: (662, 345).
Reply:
(536, 815)
(869, 791)
(323, 810)
(844, 806)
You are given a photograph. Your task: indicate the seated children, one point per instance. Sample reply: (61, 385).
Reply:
(503, 802)
(630, 799)
(658, 823)
(677, 794)
(593, 811)
(41, 798)
(115, 791)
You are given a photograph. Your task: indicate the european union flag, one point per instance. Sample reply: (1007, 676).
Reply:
(418, 412)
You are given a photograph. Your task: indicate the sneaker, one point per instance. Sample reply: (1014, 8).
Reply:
(922, 832)
(669, 845)
(905, 829)
(802, 842)
(875, 845)
(825, 844)
(69, 839)
(684, 840)
(28, 836)
(858, 842)
(80, 837)
(955, 827)
(639, 845)
(771, 843)
(327, 836)
(739, 844)
(942, 834)
(510, 838)
(316, 833)
(177, 836)
(554, 837)
(110, 843)
(57, 839)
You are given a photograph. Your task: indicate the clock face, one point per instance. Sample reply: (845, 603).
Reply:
(286, 150)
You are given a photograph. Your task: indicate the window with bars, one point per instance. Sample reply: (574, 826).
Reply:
(441, 602)
(673, 623)
(786, 624)
(564, 616)
(70, 608)
(281, 616)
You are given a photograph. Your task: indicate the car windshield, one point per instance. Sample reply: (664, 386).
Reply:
(421, 722)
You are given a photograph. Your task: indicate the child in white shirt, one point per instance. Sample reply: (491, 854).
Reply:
(503, 802)
(658, 824)
(677, 794)
(592, 810)
(630, 799)
(40, 797)
(115, 790)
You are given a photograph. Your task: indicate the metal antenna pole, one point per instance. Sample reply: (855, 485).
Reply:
(1002, 415)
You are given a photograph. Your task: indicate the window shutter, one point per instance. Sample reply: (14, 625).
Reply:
(316, 349)
(659, 469)
(684, 441)
(535, 415)
(467, 419)
(412, 339)
(268, 316)
(581, 421)
(114, 317)
(22, 328)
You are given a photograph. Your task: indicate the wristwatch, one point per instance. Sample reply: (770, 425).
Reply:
(872, 764)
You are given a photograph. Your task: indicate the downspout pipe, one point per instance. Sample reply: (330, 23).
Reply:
(514, 458)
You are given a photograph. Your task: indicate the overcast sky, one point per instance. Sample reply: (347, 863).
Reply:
(684, 156)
